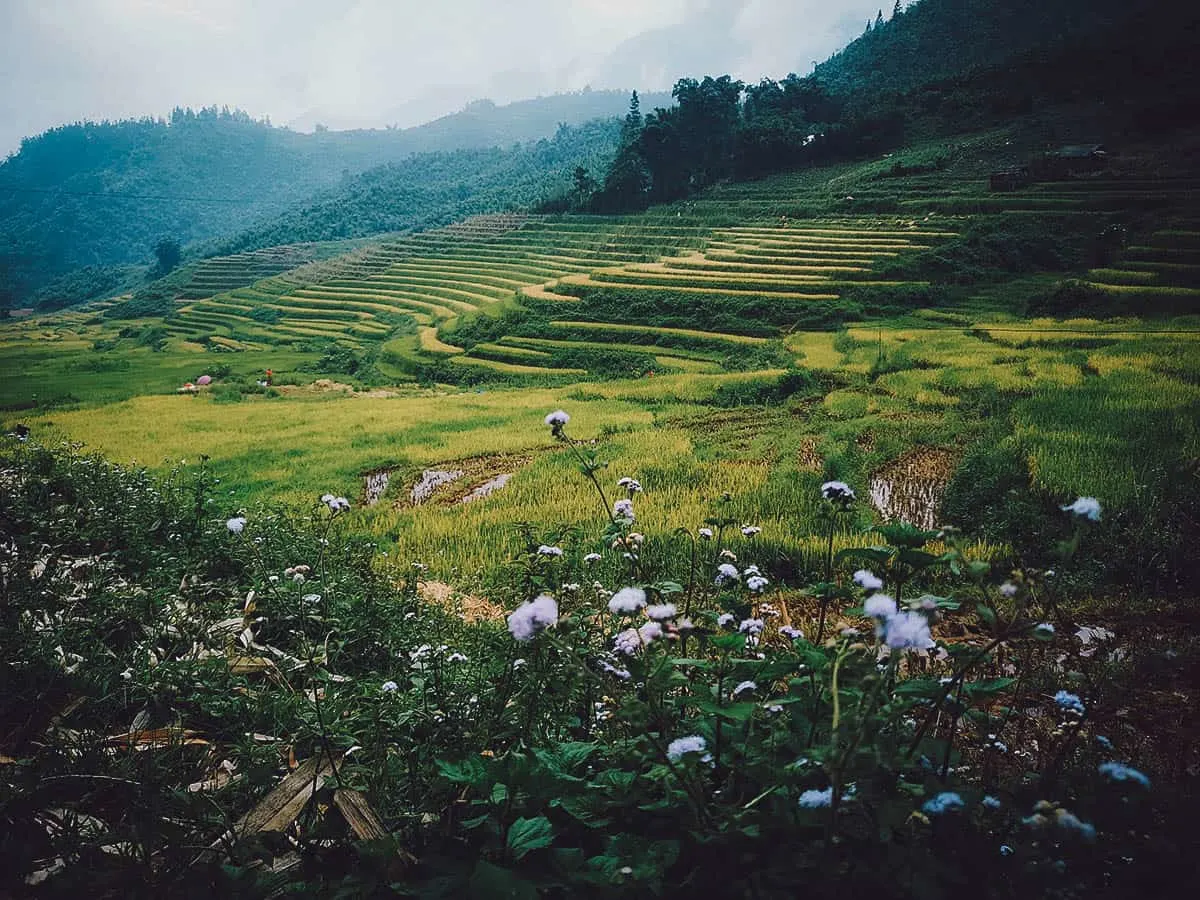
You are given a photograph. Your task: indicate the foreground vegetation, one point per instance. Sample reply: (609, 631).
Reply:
(635, 729)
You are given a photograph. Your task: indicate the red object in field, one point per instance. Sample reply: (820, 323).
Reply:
(268, 376)
(204, 379)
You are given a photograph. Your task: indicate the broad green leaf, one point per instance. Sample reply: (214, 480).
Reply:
(525, 835)
(470, 771)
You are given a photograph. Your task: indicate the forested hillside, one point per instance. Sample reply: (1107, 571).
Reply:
(102, 193)
(432, 189)
(940, 67)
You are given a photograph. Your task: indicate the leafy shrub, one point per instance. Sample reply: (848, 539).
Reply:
(167, 659)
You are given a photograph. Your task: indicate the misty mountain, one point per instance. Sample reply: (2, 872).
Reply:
(101, 193)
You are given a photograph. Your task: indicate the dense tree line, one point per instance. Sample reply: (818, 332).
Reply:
(720, 128)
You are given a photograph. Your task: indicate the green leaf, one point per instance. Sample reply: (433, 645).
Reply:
(667, 587)
(499, 792)
(986, 614)
(925, 688)
(940, 602)
(917, 559)
(988, 687)
(877, 555)
(470, 771)
(733, 642)
(734, 712)
(525, 835)
(572, 753)
(702, 664)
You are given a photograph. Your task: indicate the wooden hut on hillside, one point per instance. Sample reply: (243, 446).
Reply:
(1073, 161)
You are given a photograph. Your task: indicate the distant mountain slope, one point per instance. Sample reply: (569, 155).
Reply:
(433, 189)
(102, 193)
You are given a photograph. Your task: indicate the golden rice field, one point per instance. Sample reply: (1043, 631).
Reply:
(1095, 406)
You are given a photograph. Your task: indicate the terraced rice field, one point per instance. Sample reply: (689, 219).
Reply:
(602, 283)
(1162, 268)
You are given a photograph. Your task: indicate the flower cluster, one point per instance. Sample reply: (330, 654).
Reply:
(1069, 703)
(945, 802)
(838, 492)
(627, 600)
(816, 798)
(1115, 771)
(623, 510)
(632, 485)
(1086, 507)
(681, 747)
(532, 617)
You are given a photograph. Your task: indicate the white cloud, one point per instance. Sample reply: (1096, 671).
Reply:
(375, 62)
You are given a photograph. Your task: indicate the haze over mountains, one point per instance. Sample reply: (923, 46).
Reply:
(374, 63)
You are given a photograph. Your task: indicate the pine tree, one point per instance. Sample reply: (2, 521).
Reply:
(879, 19)
(896, 10)
(632, 127)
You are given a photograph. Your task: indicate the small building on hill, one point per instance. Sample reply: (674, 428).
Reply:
(1073, 161)
(1010, 179)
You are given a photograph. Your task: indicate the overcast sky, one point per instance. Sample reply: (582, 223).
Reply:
(378, 62)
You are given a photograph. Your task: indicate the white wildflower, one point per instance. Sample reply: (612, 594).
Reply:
(660, 612)
(880, 606)
(725, 620)
(628, 642)
(1088, 507)
(389, 687)
(680, 747)
(592, 558)
(908, 630)
(745, 686)
(1008, 589)
(650, 632)
(627, 600)
(867, 580)
(837, 491)
(236, 524)
(946, 801)
(630, 484)
(548, 550)
(1115, 771)
(791, 633)
(557, 419)
(530, 618)
(623, 509)
(1070, 703)
(751, 626)
(726, 572)
(816, 798)
(706, 533)
(757, 584)
(751, 530)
